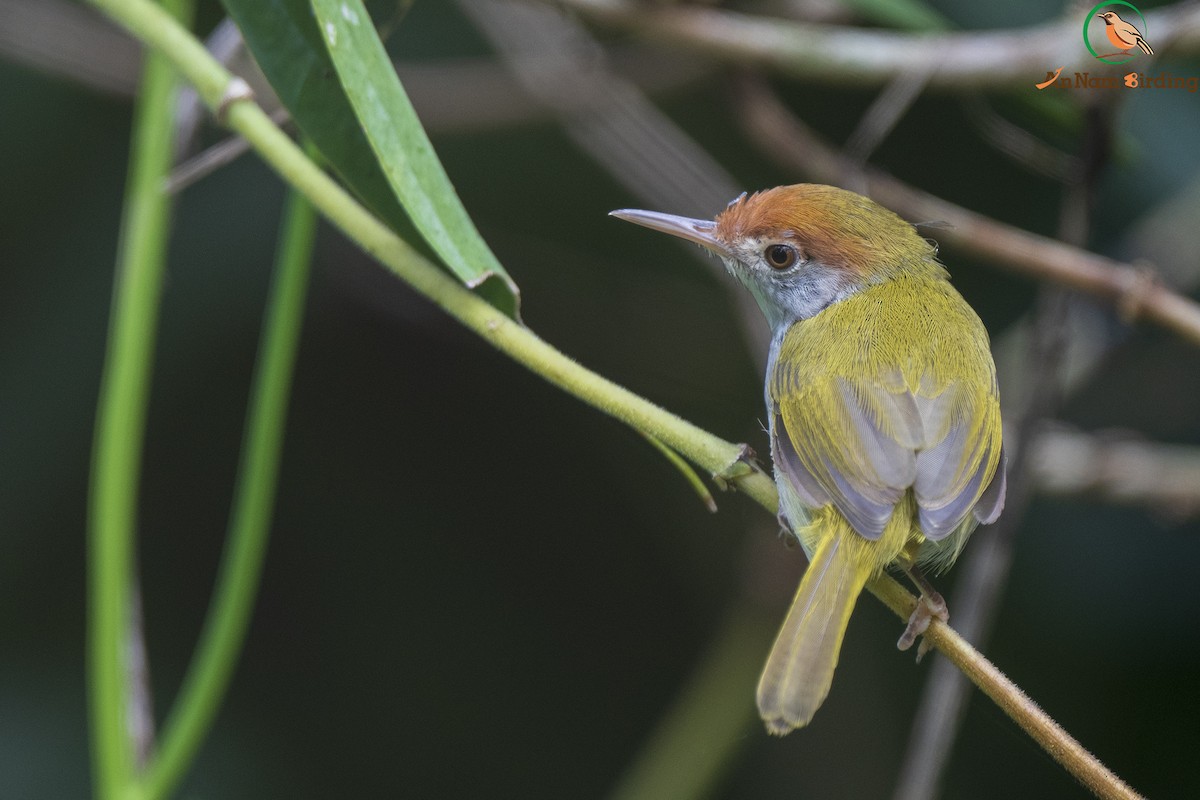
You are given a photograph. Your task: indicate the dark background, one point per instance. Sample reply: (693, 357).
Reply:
(477, 586)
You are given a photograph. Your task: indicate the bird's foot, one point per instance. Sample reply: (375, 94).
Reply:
(745, 464)
(930, 606)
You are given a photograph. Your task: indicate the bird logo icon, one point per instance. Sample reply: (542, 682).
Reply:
(1122, 34)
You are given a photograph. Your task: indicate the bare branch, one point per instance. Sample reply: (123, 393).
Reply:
(74, 43)
(1119, 467)
(1133, 290)
(213, 158)
(855, 56)
(1059, 744)
(1019, 144)
(558, 62)
(884, 114)
(69, 41)
(988, 565)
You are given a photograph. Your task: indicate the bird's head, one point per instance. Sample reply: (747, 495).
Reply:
(801, 248)
(1108, 17)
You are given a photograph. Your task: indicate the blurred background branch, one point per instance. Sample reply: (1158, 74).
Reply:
(986, 570)
(73, 42)
(69, 41)
(558, 63)
(1132, 289)
(855, 56)
(1118, 467)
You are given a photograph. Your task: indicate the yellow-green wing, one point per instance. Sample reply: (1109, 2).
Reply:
(860, 420)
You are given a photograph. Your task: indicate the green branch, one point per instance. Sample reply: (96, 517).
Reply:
(121, 422)
(228, 97)
(250, 520)
(223, 93)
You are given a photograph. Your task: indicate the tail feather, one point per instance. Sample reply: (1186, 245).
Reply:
(800, 668)
(1146, 48)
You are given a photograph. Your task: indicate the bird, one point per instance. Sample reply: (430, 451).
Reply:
(1122, 34)
(882, 405)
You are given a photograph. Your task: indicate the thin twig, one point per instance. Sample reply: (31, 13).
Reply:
(1019, 144)
(775, 129)
(685, 469)
(885, 113)
(1118, 467)
(228, 617)
(1040, 726)
(943, 701)
(856, 56)
(70, 41)
(463, 94)
(559, 63)
(211, 159)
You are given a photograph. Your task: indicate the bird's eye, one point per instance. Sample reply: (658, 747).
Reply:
(781, 256)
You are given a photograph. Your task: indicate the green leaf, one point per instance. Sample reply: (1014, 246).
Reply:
(357, 114)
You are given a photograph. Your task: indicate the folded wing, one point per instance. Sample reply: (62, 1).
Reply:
(861, 445)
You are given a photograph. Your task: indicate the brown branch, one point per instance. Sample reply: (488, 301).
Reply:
(466, 94)
(976, 598)
(1019, 144)
(854, 56)
(558, 62)
(1051, 736)
(884, 114)
(1061, 746)
(69, 41)
(1120, 468)
(1133, 291)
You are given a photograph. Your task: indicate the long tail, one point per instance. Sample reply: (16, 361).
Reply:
(1146, 48)
(800, 668)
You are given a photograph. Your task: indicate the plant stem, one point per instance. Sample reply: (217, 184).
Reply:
(120, 422)
(250, 520)
(213, 84)
(1040, 726)
(685, 469)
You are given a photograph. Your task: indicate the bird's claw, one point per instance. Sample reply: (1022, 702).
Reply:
(746, 463)
(930, 606)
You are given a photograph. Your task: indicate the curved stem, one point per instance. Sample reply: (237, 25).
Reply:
(250, 520)
(120, 425)
(219, 91)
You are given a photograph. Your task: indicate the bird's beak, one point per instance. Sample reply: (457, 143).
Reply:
(700, 231)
